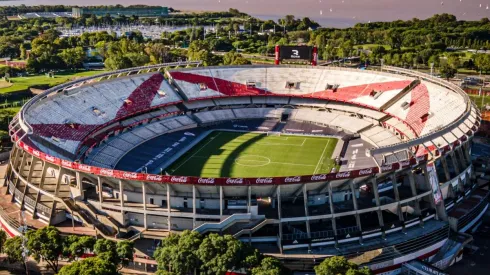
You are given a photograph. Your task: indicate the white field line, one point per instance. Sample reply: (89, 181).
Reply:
(284, 144)
(298, 164)
(212, 139)
(321, 157)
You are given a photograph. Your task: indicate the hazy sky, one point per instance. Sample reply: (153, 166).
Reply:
(333, 12)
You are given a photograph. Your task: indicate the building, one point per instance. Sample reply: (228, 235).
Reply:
(406, 189)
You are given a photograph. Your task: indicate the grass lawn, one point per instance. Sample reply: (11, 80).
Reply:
(231, 154)
(480, 101)
(23, 83)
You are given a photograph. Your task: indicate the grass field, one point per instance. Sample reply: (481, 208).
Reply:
(232, 154)
(24, 83)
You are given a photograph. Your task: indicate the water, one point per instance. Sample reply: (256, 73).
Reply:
(334, 13)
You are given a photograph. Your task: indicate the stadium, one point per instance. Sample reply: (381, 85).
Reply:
(302, 162)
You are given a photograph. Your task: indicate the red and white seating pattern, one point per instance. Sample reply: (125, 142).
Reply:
(81, 110)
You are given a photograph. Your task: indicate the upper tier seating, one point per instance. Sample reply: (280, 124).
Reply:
(351, 85)
(104, 101)
(429, 107)
(73, 114)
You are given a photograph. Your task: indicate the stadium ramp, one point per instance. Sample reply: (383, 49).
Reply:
(226, 223)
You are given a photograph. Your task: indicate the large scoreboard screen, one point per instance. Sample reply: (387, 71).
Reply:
(296, 53)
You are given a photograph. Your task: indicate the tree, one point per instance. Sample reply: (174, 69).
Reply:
(434, 59)
(45, 244)
(73, 57)
(453, 61)
(482, 62)
(159, 53)
(117, 62)
(120, 253)
(92, 266)
(125, 252)
(177, 253)
(200, 50)
(218, 254)
(75, 246)
(3, 238)
(13, 249)
(137, 59)
(106, 246)
(339, 265)
(233, 58)
(447, 71)
(394, 39)
(269, 266)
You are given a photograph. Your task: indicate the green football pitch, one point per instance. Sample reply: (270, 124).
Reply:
(233, 154)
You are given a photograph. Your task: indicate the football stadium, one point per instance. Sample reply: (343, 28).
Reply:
(302, 162)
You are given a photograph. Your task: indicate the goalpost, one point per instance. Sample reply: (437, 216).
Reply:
(274, 134)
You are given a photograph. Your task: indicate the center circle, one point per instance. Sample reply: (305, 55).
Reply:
(252, 160)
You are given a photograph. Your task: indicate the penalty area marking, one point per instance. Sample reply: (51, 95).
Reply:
(281, 144)
(252, 161)
(259, 161)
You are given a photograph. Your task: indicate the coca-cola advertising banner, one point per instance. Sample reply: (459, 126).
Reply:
(104, 172)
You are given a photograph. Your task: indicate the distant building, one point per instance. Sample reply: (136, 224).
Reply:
(117, 11)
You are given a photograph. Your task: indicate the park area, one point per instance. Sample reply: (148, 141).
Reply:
(21, 83)
(235, 154)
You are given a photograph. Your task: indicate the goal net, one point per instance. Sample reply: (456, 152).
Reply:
(273, 133)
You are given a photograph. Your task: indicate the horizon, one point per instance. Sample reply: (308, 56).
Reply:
(338, 13)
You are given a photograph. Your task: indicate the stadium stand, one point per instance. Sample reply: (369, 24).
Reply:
(379, 136)
(124, 142)
(365, 197)
(214, 116)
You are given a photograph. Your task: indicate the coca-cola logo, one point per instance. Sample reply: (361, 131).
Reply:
(152, 177)
(25, 147)
(178, 179)
(405, 163)
(66, 163)
(342, 175)
(234, 181)
(293, 179)
(387, 167)
(367, 171)
(36, 153)
(50, 158)
(206, 180)
(263, 180)
(107, 172)
(84, 167)
(319, 177)
(128, 175)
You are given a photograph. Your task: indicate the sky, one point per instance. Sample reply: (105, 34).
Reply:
(329, 13)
